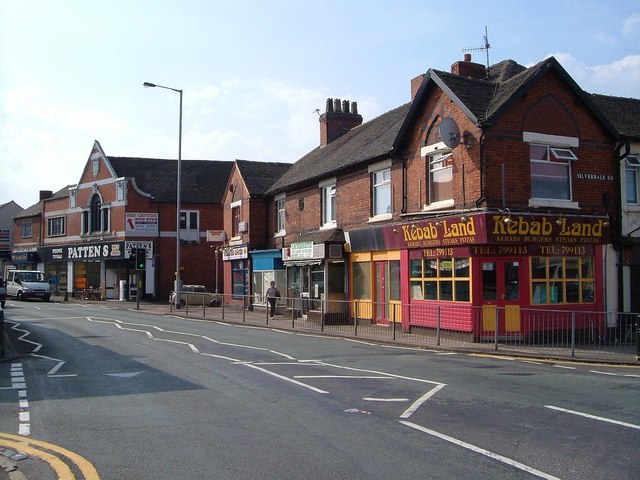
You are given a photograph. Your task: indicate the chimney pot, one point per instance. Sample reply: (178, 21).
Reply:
(329, 105)
(336, 105)
(467, 57)
(354, 108)
(345, 106)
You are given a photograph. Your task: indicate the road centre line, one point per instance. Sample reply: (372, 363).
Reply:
(482, 451)
(564, 366)
(593, 417)
(372, 399)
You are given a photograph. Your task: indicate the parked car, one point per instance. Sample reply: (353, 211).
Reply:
(3, 293)
(195, 295)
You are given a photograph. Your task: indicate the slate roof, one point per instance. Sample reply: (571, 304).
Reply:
(259, 176)
(360, 145)
(36, 208)
(203, 181)
(623, 113)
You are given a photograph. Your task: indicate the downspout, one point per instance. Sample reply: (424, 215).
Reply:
(404, 183)
(481, 198)
(617, 225)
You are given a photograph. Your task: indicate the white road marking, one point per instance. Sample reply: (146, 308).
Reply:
(371, 399)
(565, 366)
(415, 405)
(604, 373)
(123, 375)
(593, 417)
(347, 376)
(282, 377)
(481, 451)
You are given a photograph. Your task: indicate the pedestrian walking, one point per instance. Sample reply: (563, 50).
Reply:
(272, 295)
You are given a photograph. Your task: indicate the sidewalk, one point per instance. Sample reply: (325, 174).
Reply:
(620, 354)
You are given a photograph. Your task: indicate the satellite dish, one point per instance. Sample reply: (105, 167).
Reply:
(449, 132)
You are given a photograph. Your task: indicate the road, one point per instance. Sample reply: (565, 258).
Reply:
(142, 396)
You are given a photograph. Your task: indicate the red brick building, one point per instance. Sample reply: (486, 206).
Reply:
(82, 236)
(492, 193)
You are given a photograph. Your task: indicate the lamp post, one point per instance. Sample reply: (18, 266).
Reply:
(178, 283)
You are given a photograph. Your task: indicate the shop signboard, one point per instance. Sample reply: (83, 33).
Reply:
(83, 252)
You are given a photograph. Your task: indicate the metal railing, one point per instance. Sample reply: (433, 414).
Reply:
(542, 331)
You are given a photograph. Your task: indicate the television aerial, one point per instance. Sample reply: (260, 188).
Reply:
(449, 132)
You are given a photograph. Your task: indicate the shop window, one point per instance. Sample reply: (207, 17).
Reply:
(394, 280)
(361, 280)
(632, 179)
(381, 191)
(55, 226)
(556, 280)
(440, 176)
(262, 280)
(444, 279)
(26, 230)
(238, 279)
(550, 172)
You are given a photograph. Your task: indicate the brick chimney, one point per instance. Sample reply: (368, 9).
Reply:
(339, 118)
(44, 194)
(415, 85)
(467, 68)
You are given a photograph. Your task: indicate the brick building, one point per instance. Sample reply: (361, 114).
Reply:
(82, 235)
(493, 191)
(249, 263)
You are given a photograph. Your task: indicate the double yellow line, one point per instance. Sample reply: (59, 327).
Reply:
(39, 449)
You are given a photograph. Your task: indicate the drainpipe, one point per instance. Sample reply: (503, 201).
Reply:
(404, 183)
(617, 232)
(481, 198)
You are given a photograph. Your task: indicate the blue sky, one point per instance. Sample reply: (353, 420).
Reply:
(253, 71)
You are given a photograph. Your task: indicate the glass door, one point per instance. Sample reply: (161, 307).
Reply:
(381, 298)
(501, 296)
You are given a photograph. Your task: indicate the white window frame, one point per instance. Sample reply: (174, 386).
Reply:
(56, 226)
(329, 202)
(632, 165)
(280, 215)
(379, 185)
(560, 149)
(557, 157)
(188, 231)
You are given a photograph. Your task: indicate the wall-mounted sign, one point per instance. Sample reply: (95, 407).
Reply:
(98, 251)
(595, 176)
(216, 236)
(131, 246)
(300, 250)
(141, 222)
(235, 253)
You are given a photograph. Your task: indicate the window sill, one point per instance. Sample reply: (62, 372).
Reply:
(542, 202)
(380, 218)
(328, 226)
(280, 233)
(438, 205)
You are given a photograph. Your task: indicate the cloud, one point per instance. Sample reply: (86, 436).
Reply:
(620, 78)
(631, 26)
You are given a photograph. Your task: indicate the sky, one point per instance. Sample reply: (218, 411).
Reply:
(254, 72)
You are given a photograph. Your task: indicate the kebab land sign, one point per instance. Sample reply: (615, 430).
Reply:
(445, 231)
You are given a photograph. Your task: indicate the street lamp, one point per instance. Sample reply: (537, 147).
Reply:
(178, 283)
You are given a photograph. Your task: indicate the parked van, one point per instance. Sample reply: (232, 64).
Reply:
(23, 284)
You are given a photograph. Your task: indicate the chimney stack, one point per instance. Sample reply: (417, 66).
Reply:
(467, 68)
(44, 194)
(339, 118)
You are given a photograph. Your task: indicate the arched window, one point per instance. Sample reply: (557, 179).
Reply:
(94, 215)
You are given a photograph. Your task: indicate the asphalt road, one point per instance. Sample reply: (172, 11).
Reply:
(141, 396)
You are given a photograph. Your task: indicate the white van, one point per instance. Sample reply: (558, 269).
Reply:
(23, 284)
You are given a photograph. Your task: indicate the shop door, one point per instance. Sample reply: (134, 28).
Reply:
(305, 286)
(381, 298)
(501, 296)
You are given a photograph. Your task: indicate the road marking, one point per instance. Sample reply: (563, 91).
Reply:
(481, 451)
(415, 405)
(62, 469)
(123, 375)
(366, 377)
(564, 366)
(604, 373)
(282, 377)
(594, 417)
(370, 399)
